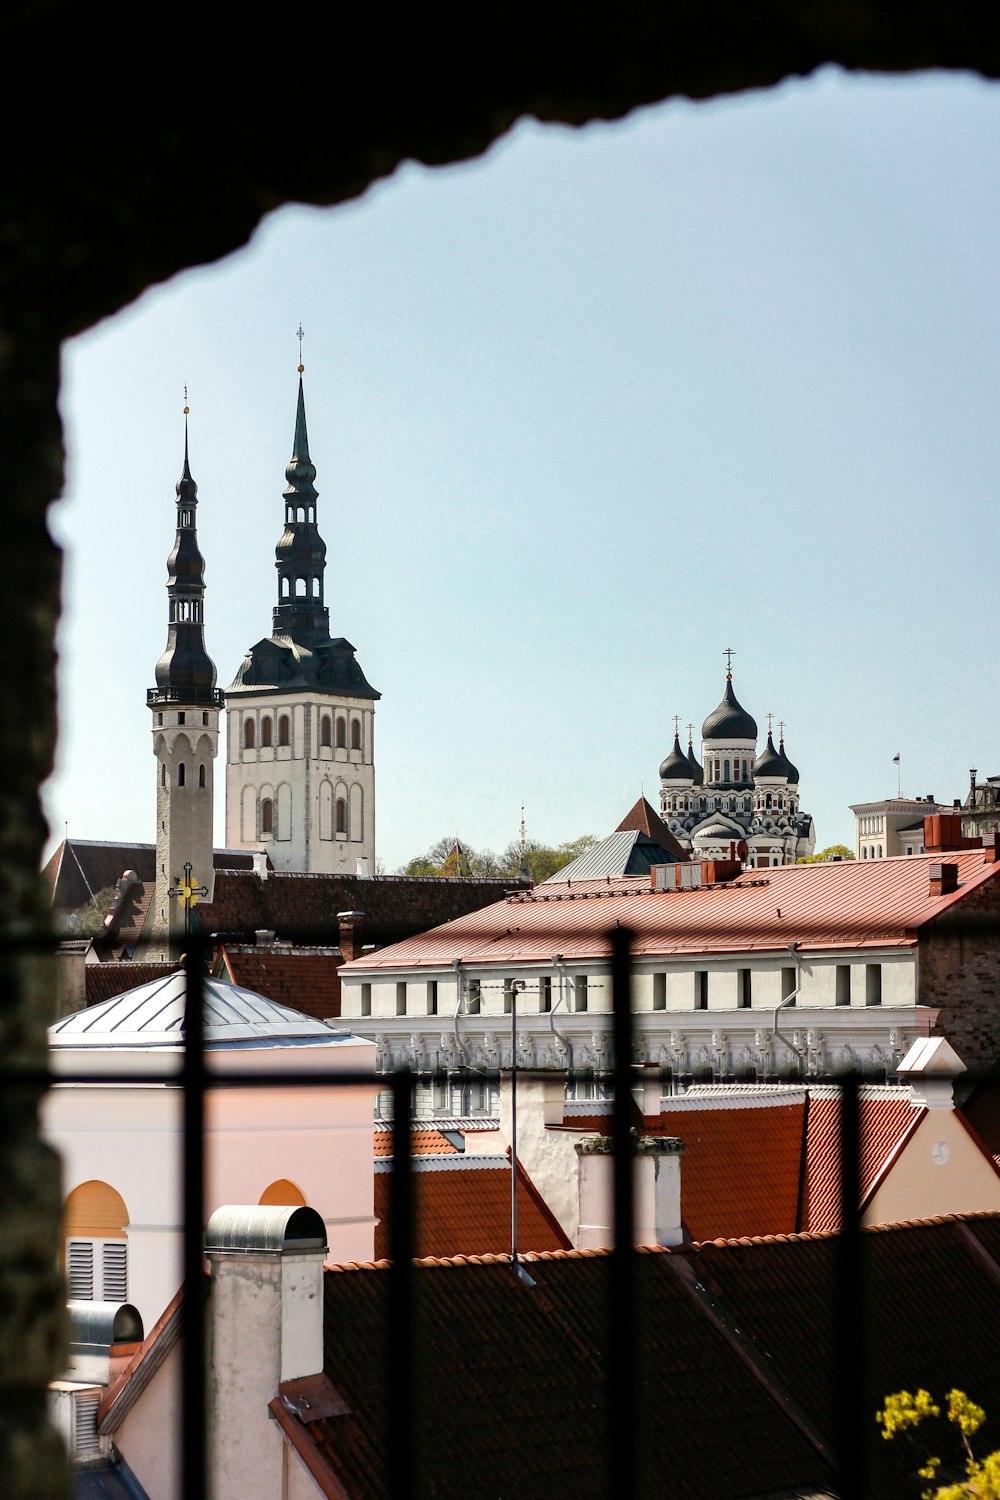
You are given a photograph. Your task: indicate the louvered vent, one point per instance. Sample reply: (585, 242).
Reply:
(85, 1439)
(80, 1270)
(114, 1268)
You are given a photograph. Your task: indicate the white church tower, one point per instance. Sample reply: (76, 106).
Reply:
(300, 772)
(185, 706)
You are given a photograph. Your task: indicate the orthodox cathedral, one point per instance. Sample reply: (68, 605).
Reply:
(300, 762)
(735, 795)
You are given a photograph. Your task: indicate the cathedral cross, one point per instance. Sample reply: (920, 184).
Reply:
(677, 726)
(781, 730)
(187, 893)
(729, 653)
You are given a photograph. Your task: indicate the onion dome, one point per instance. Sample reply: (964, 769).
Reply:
(185, 672)
(790, 771)
(730, 721)
(769, 762)
(697, 771)
(676, 767)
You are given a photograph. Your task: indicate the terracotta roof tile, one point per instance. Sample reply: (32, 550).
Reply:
(642, 818)
(463, 1208)
(887, 1117)
(741, 1168)
(305, 979)
(423, 1142)
(850, 905)
(104, 981)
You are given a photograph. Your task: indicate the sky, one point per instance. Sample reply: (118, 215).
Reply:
(585, 412)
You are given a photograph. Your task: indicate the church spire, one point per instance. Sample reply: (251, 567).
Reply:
(185, 673)
(300, 556)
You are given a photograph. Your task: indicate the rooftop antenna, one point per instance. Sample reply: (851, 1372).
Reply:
(523, 839)
(519, 1270)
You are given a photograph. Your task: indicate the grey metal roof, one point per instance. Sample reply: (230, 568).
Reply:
(152, 1015)
(624, 852)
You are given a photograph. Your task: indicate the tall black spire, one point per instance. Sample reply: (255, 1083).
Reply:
(185, 673)
(300, 556)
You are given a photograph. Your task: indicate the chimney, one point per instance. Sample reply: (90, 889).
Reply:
(267, 1328)
(259, 858)
(264, 936)
(362, 867)
(943, 831)
(657, 1167)
(350, 923)
(944, 879)
(989, 848)
(930, 1068)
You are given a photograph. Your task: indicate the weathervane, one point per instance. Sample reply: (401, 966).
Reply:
(187, 893)
(300, 334)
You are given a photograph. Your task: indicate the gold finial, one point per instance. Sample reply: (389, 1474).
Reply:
(186, 407)
(300, 334)
(729, 653)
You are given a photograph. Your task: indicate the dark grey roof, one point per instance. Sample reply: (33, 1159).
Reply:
(676, 767)
(112, 1480)
(696, 769)
(730, 721)
(769, 762)
(790, 771)
(627, 851)
(280, 664)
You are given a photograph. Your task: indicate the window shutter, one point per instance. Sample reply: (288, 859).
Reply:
(115, 1272)
(85, 1439)
(80, 1270)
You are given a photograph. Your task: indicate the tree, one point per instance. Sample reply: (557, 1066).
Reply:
(907, 1409)
(87, 921)
(834, 851)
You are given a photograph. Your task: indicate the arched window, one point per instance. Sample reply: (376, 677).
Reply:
(341, 734)
(201, 775)
(356, 734)
(341, 815)
(284, 588)
(249, 737)
(180, 774)
(94, 1245)
(282, 1194)
(300, 588)
(725, 773)
(326, 730)
(315, 588)
(266, 816)
(265, 732)
(283, 729)
(312, 513)
(300, 514)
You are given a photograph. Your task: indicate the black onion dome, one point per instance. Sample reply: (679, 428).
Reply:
(769, 762)
(697, 771)
(185, 673)
(730, 721)
(676, 767)
(790, 771)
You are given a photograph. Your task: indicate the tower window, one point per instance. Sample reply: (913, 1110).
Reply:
(300, 514)
(265, 733)
(283, 729)
(312, 513)
(341, 733)
(300, 588)
(204, 718)
(249, 736)
(201, 775)
(341, 816)
(163, 775)
(181, 717)
(267, 816)
(326, 730)
(356, 735)
(180, 774)
(284, 588)
(315, 588)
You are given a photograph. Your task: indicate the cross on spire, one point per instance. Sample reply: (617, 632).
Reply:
(781, 730)
(677, 726)
(769, 725)
(690, 729)
(729, 653)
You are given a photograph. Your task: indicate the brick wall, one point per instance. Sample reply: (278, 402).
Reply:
(958, 971)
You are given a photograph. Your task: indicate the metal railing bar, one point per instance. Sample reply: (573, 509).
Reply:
(401, 1389)
(623, 1377)
(850, 1330)
(194, 1425)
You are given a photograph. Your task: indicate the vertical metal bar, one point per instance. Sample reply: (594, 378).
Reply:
(623, 1431)
(401, 1391)
(851, 1331)
(193, 1434)
(513, 1123)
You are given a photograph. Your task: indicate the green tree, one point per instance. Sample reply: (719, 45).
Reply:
(905, 1410)
(834, 851)
(87, 921)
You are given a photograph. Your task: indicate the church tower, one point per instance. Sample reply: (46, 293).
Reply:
(185, 706)
(300, 771)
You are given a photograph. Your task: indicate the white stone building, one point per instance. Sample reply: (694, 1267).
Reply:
(891, 826)
(300, 765)
(735, 797)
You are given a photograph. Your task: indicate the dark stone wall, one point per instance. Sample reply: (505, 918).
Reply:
(958, 971)
(131, 155)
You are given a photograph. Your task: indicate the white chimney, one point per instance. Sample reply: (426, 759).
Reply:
(930, 1068)
(362, 867)
(657, 1178)
(259, 858)
(267, 1327)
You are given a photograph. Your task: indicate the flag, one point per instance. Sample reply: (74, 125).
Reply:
(895, 759)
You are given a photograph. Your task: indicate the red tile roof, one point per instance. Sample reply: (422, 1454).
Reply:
(738, 1392)
(886, 1118)
(742, 1165)
(643, 819)
(423, 1142)
(105, 981)
(305, 979)
(463, 1208)
(849, 905)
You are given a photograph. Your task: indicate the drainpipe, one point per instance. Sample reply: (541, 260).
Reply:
(776, 1035)
(559, 963)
